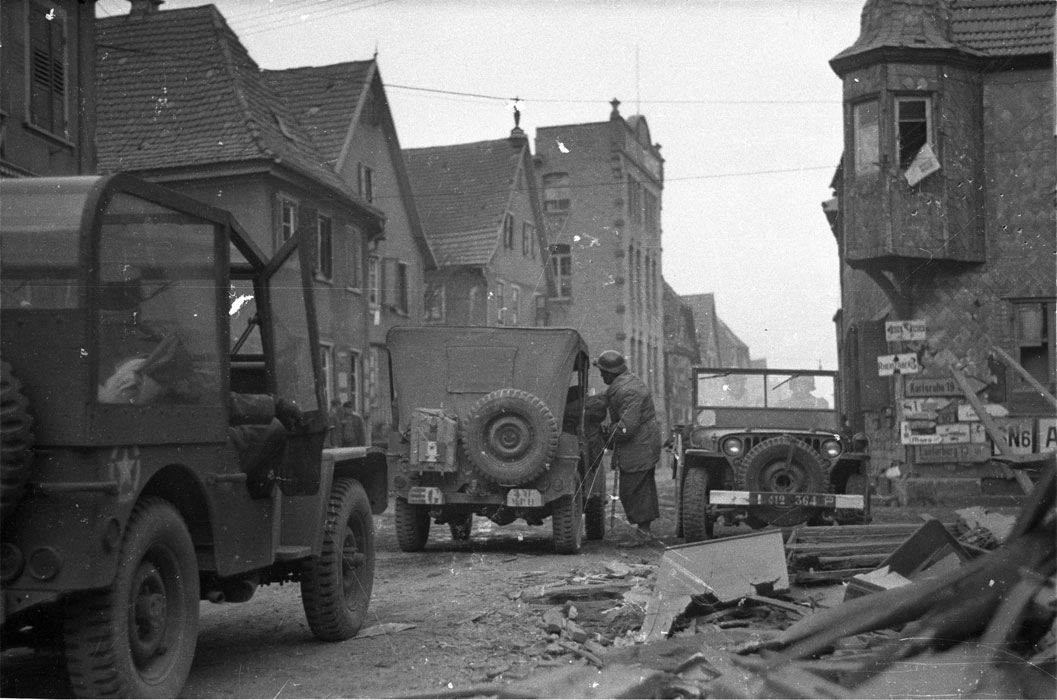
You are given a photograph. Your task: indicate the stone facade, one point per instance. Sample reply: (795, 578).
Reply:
(969, 249)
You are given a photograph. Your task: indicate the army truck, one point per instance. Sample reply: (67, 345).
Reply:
(766, 448)
(133, 321)
(490, 422)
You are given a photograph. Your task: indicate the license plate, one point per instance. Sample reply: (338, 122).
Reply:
(429, 495)
(792, 500)
(524, 498)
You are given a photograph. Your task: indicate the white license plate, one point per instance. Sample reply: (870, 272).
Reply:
(429, 495)
(524, 498)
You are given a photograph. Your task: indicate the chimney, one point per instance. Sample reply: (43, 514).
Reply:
(142, 8)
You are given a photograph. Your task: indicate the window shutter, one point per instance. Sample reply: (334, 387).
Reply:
(389, 281)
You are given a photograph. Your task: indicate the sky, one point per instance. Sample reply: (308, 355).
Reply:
(738, 93)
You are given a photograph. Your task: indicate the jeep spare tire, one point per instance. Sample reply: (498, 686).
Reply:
(510, 436)
(16, 436)
(782, 465)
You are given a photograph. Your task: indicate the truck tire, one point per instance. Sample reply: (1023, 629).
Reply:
(567, 514)
(136, 638)
(412, 526)
(782, 465)
(16, 441)
(697, 523)
(595, 518)
(460, 527)
(510, 436)
(336, 586)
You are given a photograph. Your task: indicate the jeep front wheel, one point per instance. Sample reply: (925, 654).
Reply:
(412, 525)
(336, 585)
(136, 638)
(697, 523)
(510, 436)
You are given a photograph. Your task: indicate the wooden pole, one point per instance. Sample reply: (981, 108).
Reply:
(992, 430)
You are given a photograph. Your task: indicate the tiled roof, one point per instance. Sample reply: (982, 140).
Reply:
(177, 88)
(985, 27)
(323, 98)
(1004, 27)
(462, 193)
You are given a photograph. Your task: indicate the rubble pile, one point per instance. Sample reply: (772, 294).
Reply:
(956, 620)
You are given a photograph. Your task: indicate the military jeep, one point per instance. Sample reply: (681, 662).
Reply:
(122, 509)
(490, 423)
(766, 448)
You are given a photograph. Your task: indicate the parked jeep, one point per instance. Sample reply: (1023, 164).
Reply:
(766, 448)
(490, 423)
(136, 323)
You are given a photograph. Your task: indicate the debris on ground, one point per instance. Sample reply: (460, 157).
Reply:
(982, 528)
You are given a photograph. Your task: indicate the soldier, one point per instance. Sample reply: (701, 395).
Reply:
(635, 436)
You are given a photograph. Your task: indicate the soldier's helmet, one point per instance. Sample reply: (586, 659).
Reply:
(611, 361)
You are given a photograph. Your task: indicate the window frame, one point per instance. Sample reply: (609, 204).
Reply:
(402, 284)
(355, 380)
(365, 181)
(500, 302)
(556, 184)
(433, 302)
(508, 231)
(514, 308)
(287, 229)
(325, 247)
(1046, 308)
(866, 137)
(353, 257)
(897, 140)
(560, 253)
(326, 370)
(374, 282)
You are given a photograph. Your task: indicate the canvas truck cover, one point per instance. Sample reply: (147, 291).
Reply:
(451, 367)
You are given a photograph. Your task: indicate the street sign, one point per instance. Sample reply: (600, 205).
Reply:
(898, 331)
(903, 363)
(932, 454)
(930, 386)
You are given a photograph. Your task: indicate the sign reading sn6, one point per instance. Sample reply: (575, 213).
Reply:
(902, 363)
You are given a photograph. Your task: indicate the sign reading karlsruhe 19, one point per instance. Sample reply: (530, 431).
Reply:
(902, 363)
(897, 331)
(930, 386)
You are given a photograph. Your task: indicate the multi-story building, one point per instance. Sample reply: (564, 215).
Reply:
(718, 345)
(602, 185)
(344, 109)
(680, 355)
(181, 102)
(945, 219)
(480, 209)
(47, 105)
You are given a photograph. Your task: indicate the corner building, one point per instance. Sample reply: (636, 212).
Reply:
(602, 185)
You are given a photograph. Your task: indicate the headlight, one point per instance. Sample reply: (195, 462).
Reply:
(699, 437)
(732, 446)
(831, 448)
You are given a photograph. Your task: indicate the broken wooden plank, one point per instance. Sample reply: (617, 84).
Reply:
(992, 431)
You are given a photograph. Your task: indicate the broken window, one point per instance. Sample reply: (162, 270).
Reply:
(912, 128)
(1033, 332)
